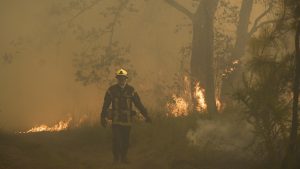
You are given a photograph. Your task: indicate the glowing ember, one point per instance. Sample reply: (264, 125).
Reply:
(179, 107)
(235, 62)
(62, 125)
(230, 69)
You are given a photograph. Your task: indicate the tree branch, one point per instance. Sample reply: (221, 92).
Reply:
(180, 8)
(254, 29)
(82, 11)
(258, 19)
(120, 8)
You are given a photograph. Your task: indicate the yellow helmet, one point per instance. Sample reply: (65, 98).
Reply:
(121, 72)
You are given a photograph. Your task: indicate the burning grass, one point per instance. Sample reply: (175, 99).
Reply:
(60, 126)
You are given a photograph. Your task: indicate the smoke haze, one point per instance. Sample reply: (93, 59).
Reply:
(38, 45)
(38, 85)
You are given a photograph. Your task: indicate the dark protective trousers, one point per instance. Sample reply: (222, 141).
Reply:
(120, 142)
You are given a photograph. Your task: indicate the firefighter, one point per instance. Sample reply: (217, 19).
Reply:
(122, 97)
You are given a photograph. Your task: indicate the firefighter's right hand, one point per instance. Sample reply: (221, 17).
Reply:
(103, 122)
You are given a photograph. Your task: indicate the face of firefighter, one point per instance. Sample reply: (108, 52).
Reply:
(122, 80)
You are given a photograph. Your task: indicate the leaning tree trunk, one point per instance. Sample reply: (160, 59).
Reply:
(202, 68)
(242, 37)
(289, 159)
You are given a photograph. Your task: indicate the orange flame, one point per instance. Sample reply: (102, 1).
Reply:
(218, 104)
(199, 95)
(61, 125)
(201, 102)
(179, 107)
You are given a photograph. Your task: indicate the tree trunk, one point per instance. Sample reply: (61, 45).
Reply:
(294, 129)
(289, 159)
(202, 68)
(242, 37)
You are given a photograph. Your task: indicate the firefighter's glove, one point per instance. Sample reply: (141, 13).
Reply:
(103, 122)
(148, 120)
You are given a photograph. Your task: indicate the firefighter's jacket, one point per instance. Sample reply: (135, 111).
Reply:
(122, 100)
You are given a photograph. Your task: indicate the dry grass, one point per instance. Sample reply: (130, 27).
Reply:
(161, 145)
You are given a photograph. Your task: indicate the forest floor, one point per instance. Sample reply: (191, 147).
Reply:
(160, 145)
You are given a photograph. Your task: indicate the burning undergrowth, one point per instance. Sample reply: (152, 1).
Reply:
(181, 104)
(60, 126)
(70, 122)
